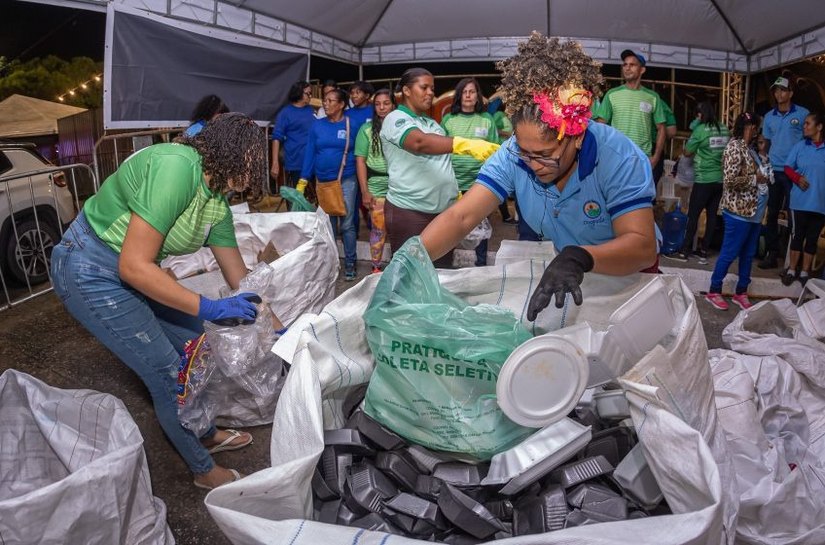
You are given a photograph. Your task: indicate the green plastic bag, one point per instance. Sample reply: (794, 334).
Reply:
(437, 360)
(296, 199)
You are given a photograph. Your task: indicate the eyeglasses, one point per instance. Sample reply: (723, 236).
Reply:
(553, 162)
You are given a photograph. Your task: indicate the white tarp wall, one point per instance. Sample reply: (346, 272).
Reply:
(723, 35)
(720, 35)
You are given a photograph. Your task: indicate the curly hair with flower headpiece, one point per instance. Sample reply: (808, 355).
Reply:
(550, 83)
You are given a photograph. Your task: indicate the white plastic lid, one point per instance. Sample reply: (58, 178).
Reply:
(541, 381)
(643, 320)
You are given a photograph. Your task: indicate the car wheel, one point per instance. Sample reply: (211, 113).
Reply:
(29, 253)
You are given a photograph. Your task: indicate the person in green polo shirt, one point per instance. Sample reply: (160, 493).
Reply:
(166, 199)
(371, 169)
(707, 145)
(421, 179)
(635, 110)
(468, 119)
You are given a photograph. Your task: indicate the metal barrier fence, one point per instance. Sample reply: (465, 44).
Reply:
(35, 208)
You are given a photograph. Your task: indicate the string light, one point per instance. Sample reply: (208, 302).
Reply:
(83, 86)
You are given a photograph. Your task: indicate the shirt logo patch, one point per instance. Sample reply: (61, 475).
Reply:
(592, 209)
(342, 135)
(794, 122)
(400, 123)
(645, 107)
(718, 141)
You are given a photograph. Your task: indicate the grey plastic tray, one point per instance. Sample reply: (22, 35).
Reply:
(467, 514)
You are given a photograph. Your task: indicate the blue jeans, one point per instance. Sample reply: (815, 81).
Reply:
(741, 240)
(345, 225)
(147, 336)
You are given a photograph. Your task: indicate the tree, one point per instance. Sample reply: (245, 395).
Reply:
(52, 77)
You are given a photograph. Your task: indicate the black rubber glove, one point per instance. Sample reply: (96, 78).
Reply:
(562, 276)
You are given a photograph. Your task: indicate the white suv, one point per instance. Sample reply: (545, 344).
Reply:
(25, 251)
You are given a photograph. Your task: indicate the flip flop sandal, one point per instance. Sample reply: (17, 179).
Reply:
(235, 477)
(226, 444)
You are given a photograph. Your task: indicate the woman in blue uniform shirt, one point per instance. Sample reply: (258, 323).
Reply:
(805, 167)
(582, 185)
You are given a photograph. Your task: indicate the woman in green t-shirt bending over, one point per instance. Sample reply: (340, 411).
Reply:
(167, 199)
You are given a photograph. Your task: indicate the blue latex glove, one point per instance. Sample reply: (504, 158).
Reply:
(230, 311)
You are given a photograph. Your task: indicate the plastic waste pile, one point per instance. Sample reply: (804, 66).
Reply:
(576, 470)
(568, 474)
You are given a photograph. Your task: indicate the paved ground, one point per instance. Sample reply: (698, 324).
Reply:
(41, 339)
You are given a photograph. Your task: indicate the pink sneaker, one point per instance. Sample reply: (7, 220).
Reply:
(742, 300)
(718, 301)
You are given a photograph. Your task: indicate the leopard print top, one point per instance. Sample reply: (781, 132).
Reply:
(740, 192)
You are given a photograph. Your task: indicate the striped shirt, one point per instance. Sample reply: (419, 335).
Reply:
(377, 180)
(635, 112)
(479, 126)
(164, 185)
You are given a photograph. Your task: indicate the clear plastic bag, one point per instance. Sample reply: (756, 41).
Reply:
(482, 231)
(437, 360)
(229, 374)
(684, 171)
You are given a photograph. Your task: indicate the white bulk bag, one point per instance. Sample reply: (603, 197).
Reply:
(73, 469)
(304, 275)
(670, 391)
(770, 395)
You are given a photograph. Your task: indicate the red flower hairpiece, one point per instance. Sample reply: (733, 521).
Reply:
(566, 111)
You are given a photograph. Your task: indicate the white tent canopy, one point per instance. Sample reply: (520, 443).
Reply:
(25, 117)
(725, 35)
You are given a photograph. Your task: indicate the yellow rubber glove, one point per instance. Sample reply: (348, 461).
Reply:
(480, 150)
(302, 185)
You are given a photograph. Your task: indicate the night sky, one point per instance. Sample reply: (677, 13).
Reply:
(29, 30)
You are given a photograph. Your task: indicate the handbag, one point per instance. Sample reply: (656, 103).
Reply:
(331, 194)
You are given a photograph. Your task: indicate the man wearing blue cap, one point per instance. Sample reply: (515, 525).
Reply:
(635, 110)
(782, 129)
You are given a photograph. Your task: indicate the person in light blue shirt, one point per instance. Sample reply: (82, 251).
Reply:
(291, 129)
(782, 128)
(205, 110)
(805, 167)
(583, 185)
(609, 180)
